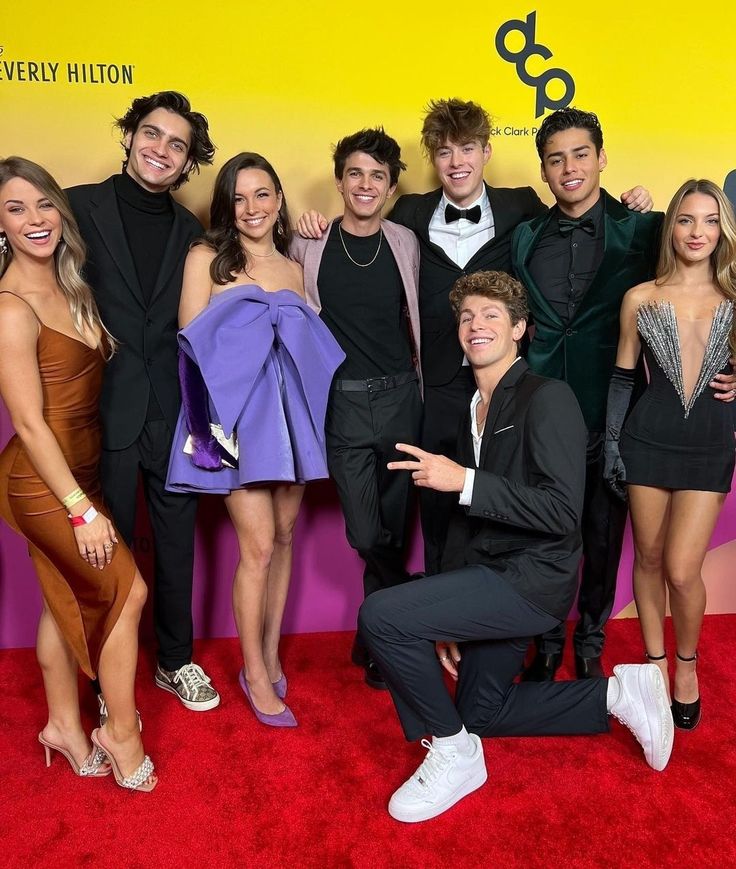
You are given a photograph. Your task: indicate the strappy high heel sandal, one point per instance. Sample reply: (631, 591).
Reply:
(686, 715)
(137, 780)
(95, 765)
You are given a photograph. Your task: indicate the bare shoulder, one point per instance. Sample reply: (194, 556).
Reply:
(18, 322)
(640, 293)
(200, 255)
(296, 273)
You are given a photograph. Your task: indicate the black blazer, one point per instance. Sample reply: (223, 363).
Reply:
(524, 519)
(147, 356)
(441, 353)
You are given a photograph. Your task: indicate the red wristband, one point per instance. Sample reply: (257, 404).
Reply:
(89, 515)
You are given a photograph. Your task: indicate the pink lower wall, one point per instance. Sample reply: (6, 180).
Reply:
(326, 588)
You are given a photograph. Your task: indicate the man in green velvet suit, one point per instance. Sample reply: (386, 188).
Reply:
(577, 261)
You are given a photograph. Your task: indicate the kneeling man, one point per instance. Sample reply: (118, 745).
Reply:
(510, 573)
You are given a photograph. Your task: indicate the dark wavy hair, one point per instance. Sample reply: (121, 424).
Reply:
(374, 142)
(201, 148)
(569, 119)
(223, 237)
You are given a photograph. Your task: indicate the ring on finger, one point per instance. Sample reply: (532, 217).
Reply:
(107, 545)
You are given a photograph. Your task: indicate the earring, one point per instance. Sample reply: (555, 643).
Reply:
(279, 227)
(3, 244)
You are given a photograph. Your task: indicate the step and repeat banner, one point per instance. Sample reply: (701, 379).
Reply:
(288, 80)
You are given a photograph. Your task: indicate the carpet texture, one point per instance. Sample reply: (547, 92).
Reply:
(235, 793)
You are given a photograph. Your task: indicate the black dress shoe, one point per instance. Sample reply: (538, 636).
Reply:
(589, 668)
(686, 715)
(359, 653)
(373, 676)
(542, 668)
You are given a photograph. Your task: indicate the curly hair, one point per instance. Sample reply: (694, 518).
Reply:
(201, 148)
(496, 286)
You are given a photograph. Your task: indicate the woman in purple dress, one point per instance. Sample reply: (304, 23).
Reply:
(256, 366)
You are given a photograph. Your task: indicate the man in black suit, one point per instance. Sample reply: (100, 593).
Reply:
(137, 238)
(463, 227)
(521, 478)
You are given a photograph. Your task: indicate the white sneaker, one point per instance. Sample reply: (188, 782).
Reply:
(444, 777)
(642, 707)
(191, 685)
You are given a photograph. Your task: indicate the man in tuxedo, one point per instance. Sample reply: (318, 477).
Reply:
(520, 477)
(463, 227)
(577, 261)
(361, 277)
(137, 238)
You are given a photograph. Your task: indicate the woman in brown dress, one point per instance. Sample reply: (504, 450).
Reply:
(52, 354)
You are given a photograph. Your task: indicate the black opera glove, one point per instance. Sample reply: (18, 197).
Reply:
(619, 398)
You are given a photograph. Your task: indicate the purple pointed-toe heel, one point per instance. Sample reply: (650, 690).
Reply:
(280, 686)
(280, 719)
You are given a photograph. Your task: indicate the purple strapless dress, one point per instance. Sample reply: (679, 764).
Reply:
(267, 361)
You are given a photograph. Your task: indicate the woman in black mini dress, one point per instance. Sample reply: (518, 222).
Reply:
(676, 449)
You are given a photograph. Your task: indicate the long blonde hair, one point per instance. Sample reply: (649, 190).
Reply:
(70, 252)
(723, 258)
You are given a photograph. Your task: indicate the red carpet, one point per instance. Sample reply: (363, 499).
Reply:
(235, 793)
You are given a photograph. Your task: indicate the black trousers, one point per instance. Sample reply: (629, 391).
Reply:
(172, 518)
(478, 608)
(603, 525)
(361, 431)
(444, 410)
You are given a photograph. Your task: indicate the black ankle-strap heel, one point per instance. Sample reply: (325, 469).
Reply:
(686, 715)
(661, 657)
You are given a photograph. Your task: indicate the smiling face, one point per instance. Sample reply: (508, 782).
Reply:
(572, 168)
(365, 186)
(159, 150)
(697, 228)
(256, 205)
(30, 221)
(460, 170)
(486, 333)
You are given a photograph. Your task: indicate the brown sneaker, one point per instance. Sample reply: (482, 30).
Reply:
(191, 685)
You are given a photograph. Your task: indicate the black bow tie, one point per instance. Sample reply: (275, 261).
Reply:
(566, 225)
(452, 214)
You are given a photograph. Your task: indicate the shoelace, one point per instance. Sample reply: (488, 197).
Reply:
(192, 677)
(432, 766)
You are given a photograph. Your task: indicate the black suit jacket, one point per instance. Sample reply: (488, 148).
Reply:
(147, 356)
(441, 353)
(524, 519)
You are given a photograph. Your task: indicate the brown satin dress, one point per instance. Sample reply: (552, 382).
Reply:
(85, 601)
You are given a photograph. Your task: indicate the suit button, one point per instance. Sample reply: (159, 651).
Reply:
(569, 332)
(149, 361)
(149, 321)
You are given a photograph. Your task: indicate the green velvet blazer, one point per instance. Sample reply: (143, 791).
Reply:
(582, 352)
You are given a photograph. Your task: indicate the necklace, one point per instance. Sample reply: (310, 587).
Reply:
(347, 253)
(252, 253)
(480, 424)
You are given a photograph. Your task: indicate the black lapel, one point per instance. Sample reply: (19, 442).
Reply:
(106, 217)
(502, 395)
(175, 253)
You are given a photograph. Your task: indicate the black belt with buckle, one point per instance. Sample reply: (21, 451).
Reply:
(375, 384)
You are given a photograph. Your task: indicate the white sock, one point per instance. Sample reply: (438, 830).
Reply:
(613, 693)
(460, 741)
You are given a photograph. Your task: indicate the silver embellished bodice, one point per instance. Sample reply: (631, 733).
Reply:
(657, 324)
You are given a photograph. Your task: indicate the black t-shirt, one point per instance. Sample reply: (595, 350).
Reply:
(363, 307)
(563, 266)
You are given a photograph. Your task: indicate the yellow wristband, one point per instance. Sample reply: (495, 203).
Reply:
(73, 498)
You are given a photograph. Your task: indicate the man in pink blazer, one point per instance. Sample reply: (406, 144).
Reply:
(361, 278)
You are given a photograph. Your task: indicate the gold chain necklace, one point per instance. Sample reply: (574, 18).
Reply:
(253, 253)
(347, 253)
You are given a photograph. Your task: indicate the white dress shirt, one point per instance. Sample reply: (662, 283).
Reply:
(462, 238)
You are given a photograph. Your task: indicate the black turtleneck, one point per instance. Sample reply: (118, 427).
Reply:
(147, 220)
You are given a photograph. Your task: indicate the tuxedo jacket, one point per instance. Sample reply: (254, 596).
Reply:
(442, 356)
(524, 518)
(308, 252)
(147, 354)
(582, 352)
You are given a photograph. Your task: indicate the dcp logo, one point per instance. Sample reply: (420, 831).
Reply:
(530, 49)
